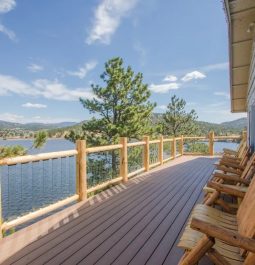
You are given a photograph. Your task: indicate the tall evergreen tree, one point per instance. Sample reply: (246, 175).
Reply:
(176, 121)
(122, 106)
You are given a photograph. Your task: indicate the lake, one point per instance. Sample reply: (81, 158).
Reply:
(31, 186)
(54, 145)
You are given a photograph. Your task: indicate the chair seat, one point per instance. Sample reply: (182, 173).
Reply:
(191, 237)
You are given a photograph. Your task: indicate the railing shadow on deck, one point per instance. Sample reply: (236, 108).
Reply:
(83, 209)
(74, 175)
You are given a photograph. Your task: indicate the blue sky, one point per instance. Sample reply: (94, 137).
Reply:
(52, 50)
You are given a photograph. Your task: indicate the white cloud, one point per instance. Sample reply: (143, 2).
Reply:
(9, 33)
(12, 117)
(34, 105)
(193, 75)
(217, 66)
(107, 19)
(82, 72)
(222, 94)
(42, 88)
(163, 88)
(170, 78)
(7, 5)
(34, 68)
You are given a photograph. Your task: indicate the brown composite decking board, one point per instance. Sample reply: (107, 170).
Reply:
(165, 200)
(96, 213)
(139, 225)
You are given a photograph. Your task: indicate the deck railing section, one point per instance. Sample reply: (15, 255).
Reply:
(83, 172)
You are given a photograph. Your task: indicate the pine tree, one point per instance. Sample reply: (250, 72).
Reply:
(122, 106)
(176, 121)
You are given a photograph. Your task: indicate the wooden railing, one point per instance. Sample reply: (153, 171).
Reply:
(175, 148)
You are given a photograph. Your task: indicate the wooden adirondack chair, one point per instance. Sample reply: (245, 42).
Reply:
(225, 238)
(231, 175)
(235, 153)
(238, 183)
(238, 164)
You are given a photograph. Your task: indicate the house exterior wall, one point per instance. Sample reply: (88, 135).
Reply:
(251, 101)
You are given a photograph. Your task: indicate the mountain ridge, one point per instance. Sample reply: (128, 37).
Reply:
(234, 124)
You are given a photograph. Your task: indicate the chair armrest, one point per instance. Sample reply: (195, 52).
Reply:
(231, 164)
(226, 189)
(230, 237)
(227, 169)
(229, 151)
(233, 178)
(231, 158)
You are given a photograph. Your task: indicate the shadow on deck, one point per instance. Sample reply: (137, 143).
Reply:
(136, 223)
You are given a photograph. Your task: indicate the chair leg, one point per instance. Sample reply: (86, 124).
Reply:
(198, 251)
(216, 257)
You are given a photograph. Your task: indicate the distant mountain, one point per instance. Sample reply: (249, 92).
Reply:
(238, 124)
(34, 126)
(230, 127)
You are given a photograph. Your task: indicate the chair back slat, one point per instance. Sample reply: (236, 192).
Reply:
(249, 166)
(245, 157)
(241, 150)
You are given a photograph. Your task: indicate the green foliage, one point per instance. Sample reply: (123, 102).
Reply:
(8, 232)
(135, 158)
(176, 121)
(122, 106)
(12, 151)
(40, 139)
(197, 148)
(18, 150)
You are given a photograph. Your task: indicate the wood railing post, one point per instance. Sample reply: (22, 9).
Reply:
(244, 135)
(173, 148)
(161, 150)
(181, 146)
(146, 153)
(124, 159)
(1, 220)
(81, 170)
(211, 143)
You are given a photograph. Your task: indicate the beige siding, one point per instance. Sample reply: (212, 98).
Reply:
(251, 89)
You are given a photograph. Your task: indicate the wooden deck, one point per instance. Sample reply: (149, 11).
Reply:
(136, 223)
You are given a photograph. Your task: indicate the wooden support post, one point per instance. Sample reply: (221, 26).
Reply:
(81, 170)
(161, 150)
(173, 148)
(1, 217)
(124, 159)
(146, 153)
(211, 143)
(181, 146)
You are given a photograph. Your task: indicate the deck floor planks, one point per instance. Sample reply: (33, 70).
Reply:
(115, 224)
(124, 213)
(148, 216)
(156, 249)
(145, 216)
(145, 229)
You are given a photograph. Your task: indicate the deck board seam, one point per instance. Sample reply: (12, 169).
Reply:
(162, 185)
(176, 168)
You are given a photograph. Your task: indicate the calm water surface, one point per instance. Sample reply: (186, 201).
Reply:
(31, 186)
